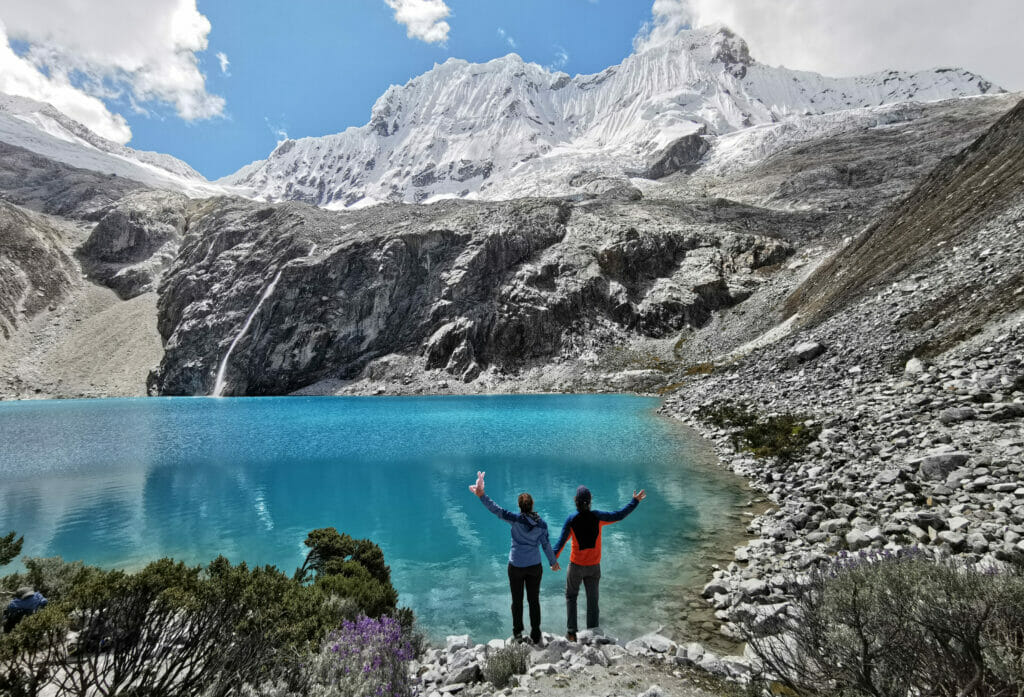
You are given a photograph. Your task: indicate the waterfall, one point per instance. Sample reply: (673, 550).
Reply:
(219, 384)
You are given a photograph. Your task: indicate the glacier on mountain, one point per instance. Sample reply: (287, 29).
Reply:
(507, 128)
(42, 129)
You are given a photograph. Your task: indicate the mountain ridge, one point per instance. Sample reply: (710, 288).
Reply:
(488, 130)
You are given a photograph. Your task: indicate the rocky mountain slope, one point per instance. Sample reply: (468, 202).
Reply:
(507, 129)
(909, 351)
(45, 131)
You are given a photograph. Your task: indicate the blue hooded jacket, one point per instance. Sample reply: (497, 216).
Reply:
(527, 533)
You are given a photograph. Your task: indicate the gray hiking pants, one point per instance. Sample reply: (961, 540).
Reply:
(590, 576)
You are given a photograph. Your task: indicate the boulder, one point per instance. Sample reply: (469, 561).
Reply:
(857, 539)
(455, 642)
(914, 366)
(803, 352)
(1008, 411)
(937, 465)
(956, 415)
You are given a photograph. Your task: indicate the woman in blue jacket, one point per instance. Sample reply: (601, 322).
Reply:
(524, 567)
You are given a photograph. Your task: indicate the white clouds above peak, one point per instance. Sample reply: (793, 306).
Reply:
(838, 37)
(20, 78)
(560, 61)
(222, 58)
(508, 39)
(145, 51)
(423, 19)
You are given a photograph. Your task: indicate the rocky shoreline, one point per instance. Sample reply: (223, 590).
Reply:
(930, 457)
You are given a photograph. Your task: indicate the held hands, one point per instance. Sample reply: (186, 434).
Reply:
(556, 566)
(478, 488)
(639, 496)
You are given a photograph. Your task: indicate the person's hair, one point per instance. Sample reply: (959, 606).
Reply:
(526, 505)
(583, 502)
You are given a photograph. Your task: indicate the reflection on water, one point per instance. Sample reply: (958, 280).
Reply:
(121, 482)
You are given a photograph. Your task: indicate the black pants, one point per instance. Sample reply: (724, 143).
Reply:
(529, 576)
(590, 576)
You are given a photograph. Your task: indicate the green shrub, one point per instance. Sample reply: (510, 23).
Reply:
(349, 568)
(10, 548)
(783, 436)
(504, 663)
(176, 630)
(890, 625)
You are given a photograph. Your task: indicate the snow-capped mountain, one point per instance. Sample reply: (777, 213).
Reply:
(507, 128)
(42, 129)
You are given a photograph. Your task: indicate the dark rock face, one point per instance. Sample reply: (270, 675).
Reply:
(35, 270)
(466, 287)
(135, 241)
(47, 186)
(683, 155)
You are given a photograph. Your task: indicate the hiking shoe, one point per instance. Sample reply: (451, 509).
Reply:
(535, 637)
(518, 638)
(571, 636)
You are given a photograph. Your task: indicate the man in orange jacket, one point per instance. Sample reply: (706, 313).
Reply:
(584, 527)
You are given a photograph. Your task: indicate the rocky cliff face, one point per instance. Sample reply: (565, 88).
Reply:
(293, 294)
(135, 241)
(35, 269)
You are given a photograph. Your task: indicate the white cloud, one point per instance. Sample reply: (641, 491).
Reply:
(224, 62)
(507, 38)
(21, 78)
(278, 129)
(839, 37)
(423, 19)
(145, 49)
(561, 59)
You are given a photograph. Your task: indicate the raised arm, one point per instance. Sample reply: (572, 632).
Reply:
(615, 516)
(498, 510)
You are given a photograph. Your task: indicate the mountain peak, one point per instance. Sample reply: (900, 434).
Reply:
(508, 127)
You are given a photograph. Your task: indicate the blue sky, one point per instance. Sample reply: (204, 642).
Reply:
(312, 67)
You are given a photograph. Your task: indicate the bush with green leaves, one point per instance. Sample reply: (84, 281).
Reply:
(10, 548)
(782, 436)
(176, 630)
(349, 568)
(883, 624)
(502, 664)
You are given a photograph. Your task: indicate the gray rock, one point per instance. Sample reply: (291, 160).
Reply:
(956, 415)
(753, 587)
(803, 352)
(455, 642)
(857, 539)
(914, 366)
(938, 465)
(1007, 412)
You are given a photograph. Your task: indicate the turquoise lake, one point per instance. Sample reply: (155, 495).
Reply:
(120, 482)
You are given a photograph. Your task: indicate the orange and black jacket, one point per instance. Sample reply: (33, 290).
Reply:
(585, 529)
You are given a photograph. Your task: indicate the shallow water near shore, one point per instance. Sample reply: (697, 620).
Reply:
(120, 482)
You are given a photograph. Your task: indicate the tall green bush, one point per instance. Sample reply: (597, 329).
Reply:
(175, 630)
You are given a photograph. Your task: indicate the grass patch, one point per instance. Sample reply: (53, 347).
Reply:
(504, 663)
(782, 436)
